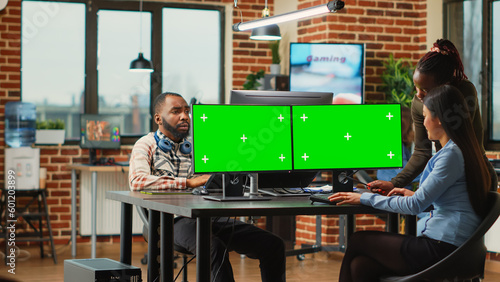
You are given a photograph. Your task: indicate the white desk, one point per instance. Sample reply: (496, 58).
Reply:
(94, 170)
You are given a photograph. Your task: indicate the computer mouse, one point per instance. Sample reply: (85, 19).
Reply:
(199, 191)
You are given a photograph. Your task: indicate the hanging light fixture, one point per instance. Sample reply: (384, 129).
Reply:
(330, 7)
(141, 64)
(268, 32)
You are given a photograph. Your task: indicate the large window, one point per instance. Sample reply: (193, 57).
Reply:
(53, 60)
(463, 30)
(121, 91)
(191, 66)
(474, 26)
(76, 56)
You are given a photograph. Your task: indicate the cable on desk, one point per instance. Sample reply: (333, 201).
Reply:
(227, 247)
(182, 268)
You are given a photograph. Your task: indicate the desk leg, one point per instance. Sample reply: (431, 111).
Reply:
(167, 247)
(73, 213)
(203, 239)
(411, 224)
(126, 234)
(350, 223)
(153, 250)
(93, 233)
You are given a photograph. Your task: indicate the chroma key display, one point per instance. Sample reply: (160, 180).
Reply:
(258, 138)
(238, 138)
(347, 136)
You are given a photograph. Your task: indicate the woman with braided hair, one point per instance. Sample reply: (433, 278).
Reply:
(441, 65)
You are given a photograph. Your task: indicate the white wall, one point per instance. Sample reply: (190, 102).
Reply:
(434, 21)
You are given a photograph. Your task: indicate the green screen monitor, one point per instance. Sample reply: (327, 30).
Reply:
(241, 138)
(264, 138)
(347, 137)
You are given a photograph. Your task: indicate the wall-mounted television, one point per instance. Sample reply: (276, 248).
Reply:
(329, 67)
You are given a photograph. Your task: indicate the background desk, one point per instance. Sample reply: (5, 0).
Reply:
(89, 182)
(163, 207)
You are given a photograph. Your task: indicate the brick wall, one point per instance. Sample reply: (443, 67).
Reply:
(397, 27)
(249, 55)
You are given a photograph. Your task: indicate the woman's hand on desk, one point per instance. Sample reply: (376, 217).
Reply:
(343, 198)
(197, 181)
(380, 186)
(401, 192)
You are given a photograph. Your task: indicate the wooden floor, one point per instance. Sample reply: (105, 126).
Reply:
(317, 267)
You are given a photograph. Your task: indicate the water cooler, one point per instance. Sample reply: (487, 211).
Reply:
(25, 162)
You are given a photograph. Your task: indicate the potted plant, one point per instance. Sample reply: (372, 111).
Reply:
(254, 80)
(50, 132)
(398, 81)
(276, 59)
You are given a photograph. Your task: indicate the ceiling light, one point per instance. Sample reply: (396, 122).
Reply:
(330, 7)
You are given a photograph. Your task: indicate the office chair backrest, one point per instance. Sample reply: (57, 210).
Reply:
(467, 261)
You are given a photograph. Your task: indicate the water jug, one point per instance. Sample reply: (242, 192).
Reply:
(20, 124)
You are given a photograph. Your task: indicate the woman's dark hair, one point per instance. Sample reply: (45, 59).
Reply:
(447, 103)
(443, 63)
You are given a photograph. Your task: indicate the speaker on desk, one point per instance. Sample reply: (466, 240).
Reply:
(276, 82)
(342, 181)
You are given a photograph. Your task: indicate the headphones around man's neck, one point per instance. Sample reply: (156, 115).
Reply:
(166, 145)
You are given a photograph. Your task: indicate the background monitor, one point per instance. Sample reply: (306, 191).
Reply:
(288, 179)
(347, 137)
(329, 67)
(241, 138)
(99, 132)
(264, 97)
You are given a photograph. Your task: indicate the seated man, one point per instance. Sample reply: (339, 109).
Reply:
(163, 160)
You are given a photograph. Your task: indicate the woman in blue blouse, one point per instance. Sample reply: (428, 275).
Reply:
(455, 181)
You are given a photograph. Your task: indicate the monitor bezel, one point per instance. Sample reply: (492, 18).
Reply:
(363, 62)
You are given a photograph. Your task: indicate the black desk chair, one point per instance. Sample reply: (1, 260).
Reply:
(143, 214)
(467, 262)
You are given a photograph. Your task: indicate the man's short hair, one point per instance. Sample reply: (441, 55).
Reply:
(160, 101)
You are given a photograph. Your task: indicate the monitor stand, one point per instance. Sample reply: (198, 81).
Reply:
(253, 196)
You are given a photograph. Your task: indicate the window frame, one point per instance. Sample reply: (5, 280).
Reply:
(487, 64)
(90, 103)
(487, 67)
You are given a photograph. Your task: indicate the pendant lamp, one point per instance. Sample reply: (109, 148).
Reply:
(141, 64)
(268, 32)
